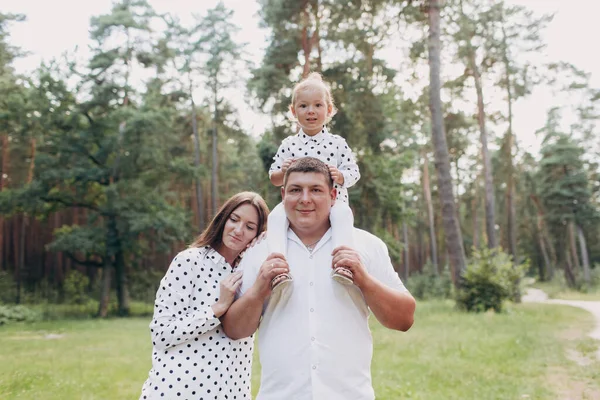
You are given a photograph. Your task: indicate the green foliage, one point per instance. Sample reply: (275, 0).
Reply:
(75, 287)
(427, 286)
(8, 288)
(18, 313)
(489, 279)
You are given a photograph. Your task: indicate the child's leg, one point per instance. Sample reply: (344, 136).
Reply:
(277, 227)
(342, 225)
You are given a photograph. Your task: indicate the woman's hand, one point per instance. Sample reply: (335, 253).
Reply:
(257, 240)
(228, 287)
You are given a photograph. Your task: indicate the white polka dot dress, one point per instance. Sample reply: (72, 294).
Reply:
(192, 358)
(331, 149)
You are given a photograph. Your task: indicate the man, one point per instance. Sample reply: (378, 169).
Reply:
(315, 341)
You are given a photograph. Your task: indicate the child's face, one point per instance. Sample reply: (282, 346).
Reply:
(311, 110)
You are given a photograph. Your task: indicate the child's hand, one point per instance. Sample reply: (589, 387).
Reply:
(337, 176)
(286, 164)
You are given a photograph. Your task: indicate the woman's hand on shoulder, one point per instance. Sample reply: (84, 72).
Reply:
(257, 240)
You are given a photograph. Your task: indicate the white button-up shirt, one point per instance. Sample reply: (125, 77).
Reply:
(331, 149)
(314, 340)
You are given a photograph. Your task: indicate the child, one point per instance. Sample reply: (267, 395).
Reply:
(312, 107)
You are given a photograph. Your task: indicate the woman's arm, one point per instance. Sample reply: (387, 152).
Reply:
(175, 321)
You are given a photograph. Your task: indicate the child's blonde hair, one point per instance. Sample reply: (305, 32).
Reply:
(314, 79)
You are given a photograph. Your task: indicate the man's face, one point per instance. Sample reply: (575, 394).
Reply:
(307, 200)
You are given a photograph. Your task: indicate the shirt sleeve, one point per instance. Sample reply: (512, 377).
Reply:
(347, 164)
(380, 265)
(175, 321)
(279, 158)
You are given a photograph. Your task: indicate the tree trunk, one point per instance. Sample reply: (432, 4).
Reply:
(452, 232)
(306, 41)
(197, 162)
(121, 284)
(585, 260)
(490, 224)
(510, 189)
(573, 245)
(475, 216)
(427, 193)
(546, 243)
(405, 251)
(215, 163)
(316, 42)
(569, 272)
(105, 292)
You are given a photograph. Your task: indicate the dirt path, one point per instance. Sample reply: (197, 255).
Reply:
(538, 296)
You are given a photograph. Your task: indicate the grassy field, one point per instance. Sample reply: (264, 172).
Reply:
(521, 354)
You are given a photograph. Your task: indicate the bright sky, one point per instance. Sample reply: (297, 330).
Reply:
(53, 27)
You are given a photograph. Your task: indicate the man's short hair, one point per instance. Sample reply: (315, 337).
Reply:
(309, 164)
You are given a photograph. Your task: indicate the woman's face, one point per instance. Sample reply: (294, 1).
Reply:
(241, 227)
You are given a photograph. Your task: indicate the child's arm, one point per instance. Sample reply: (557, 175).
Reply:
(276, 171)
(276, 178)
(347, 164)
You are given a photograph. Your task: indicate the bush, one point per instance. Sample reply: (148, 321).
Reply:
(427, 286)
(489, 280)
(75, 288)
(11, 314)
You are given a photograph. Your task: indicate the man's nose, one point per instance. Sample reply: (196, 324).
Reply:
(305, 196)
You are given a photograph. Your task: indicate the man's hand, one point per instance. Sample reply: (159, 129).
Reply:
(344, 256)
(274, 265)
(336, 174)
(286, 164)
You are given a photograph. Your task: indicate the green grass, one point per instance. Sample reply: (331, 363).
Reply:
(446, 355)
(557, 289)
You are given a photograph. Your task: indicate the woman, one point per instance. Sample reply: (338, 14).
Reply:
(191, 356)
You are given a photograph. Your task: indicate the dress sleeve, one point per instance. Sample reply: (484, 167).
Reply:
(175, 321)
(279, 158)
(347, 164)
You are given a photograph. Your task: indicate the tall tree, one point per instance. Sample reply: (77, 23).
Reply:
(466, 33)
(223, 56)
(453, 236)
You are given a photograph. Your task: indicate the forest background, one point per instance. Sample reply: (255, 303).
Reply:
(115, 154)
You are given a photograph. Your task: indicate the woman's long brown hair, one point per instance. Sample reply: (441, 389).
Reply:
(213, 234)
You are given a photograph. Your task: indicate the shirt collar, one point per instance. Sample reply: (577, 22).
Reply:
(292, 236)
(214, 256)
(318, 138)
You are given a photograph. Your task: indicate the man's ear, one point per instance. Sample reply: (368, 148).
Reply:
(333, 195)
(282, 192)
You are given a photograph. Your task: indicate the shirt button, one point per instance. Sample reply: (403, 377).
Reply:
(310, 256)
(312, 310)
(312, 338)
(311, 283)
(314, 367)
